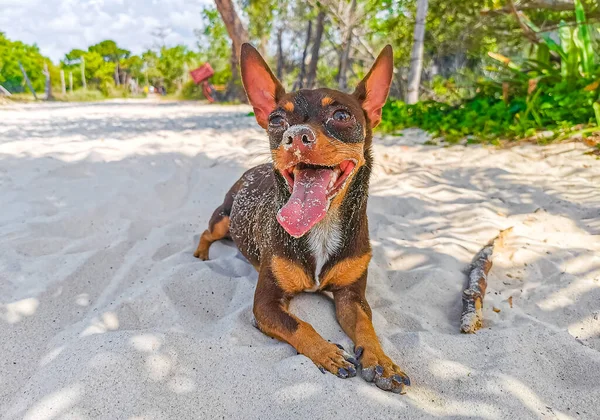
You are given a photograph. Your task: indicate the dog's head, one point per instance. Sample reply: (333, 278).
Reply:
(319, 138)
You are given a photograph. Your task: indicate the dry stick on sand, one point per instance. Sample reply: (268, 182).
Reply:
(472, 314)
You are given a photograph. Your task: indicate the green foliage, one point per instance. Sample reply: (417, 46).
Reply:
(214, 45)
(13, 52)
(486, 117)
(172, 64)
(166, 67)
(99, 62)
(576, 49)
(110, 51)
(191, 91)
(552, 93)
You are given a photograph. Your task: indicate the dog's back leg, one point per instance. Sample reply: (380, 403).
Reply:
(218, 227)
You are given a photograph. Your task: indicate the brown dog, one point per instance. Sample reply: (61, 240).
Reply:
(301, 220)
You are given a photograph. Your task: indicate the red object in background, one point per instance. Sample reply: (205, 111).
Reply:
(208, 91)
(202, 73)
(201, 76)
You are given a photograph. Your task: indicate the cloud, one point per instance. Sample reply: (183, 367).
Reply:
(58, 26)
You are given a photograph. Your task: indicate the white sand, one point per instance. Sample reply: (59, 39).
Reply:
(104, 312)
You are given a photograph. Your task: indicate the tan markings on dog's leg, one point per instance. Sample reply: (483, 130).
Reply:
(346, 271)
(289, 106)
(354, 315)
(219, 231)
(326, 101)
(290, 276)
(275, 321)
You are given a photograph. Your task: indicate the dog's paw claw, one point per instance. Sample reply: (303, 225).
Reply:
(402, 379)
(379, 369)
(353, 361)
(336, 360)
(384, 383)
(358, 351)
(352, 371)
(368, 374)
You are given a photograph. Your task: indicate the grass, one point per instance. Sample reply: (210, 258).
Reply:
(80, 95)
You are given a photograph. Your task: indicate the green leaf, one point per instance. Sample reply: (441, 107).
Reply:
(596, 107)
(583, 40)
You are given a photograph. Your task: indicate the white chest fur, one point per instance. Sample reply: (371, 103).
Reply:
(324, 239)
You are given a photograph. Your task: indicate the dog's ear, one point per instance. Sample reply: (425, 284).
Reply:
(373, 90)
(262, 87)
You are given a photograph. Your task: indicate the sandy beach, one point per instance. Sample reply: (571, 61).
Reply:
(106, 314)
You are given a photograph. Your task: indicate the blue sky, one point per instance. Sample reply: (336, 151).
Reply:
(57, 26)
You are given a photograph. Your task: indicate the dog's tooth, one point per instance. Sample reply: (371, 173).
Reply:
(334, 178)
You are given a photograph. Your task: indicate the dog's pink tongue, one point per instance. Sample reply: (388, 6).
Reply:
(308, 203)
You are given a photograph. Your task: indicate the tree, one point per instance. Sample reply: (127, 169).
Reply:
(416, 58)
(171, 65)
(302, 74)
(111, 52)
(214, 45)
(13, 52)
(350, 20)
(314, 58)
(238, 35)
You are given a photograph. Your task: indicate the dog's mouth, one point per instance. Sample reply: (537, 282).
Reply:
(312, 188)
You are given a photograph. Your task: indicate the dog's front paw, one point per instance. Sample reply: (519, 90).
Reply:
(333, 358)
(378, 368)
(201, 254)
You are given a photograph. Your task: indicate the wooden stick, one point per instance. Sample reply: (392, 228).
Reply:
(27, 80)
(472, 314)
(62, 82)
(84, 83)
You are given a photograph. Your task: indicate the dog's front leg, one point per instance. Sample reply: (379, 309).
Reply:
(273, 318)
(354, 315)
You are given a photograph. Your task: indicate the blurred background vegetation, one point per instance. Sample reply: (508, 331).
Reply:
(480, 70)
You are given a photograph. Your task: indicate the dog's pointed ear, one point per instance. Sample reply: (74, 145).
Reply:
(262, 87)
(373, 90)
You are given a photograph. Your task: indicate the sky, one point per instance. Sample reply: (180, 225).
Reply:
(58, 26)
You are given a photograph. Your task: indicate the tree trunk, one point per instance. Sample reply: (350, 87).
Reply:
(314, 59)
(347, 45)
(279, 53)
(300, 82)
(48, 90)
(238, 35)
(83, 81)
(27, 80)
(117, 80)
(416, 57)
(62, 82)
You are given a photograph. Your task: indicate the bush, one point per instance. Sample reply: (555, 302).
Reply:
(191, 91)
(486, 117)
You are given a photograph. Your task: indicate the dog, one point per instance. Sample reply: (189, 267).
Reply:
(301, 220)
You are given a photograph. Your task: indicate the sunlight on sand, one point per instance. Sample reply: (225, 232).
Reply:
(104, 311)
(15, 311)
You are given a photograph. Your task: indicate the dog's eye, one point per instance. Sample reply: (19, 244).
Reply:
(341, 115)
(276, 121)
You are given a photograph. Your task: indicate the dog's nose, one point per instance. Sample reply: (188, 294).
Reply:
(299, 137)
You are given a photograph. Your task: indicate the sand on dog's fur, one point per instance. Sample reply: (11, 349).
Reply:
(105, 313)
